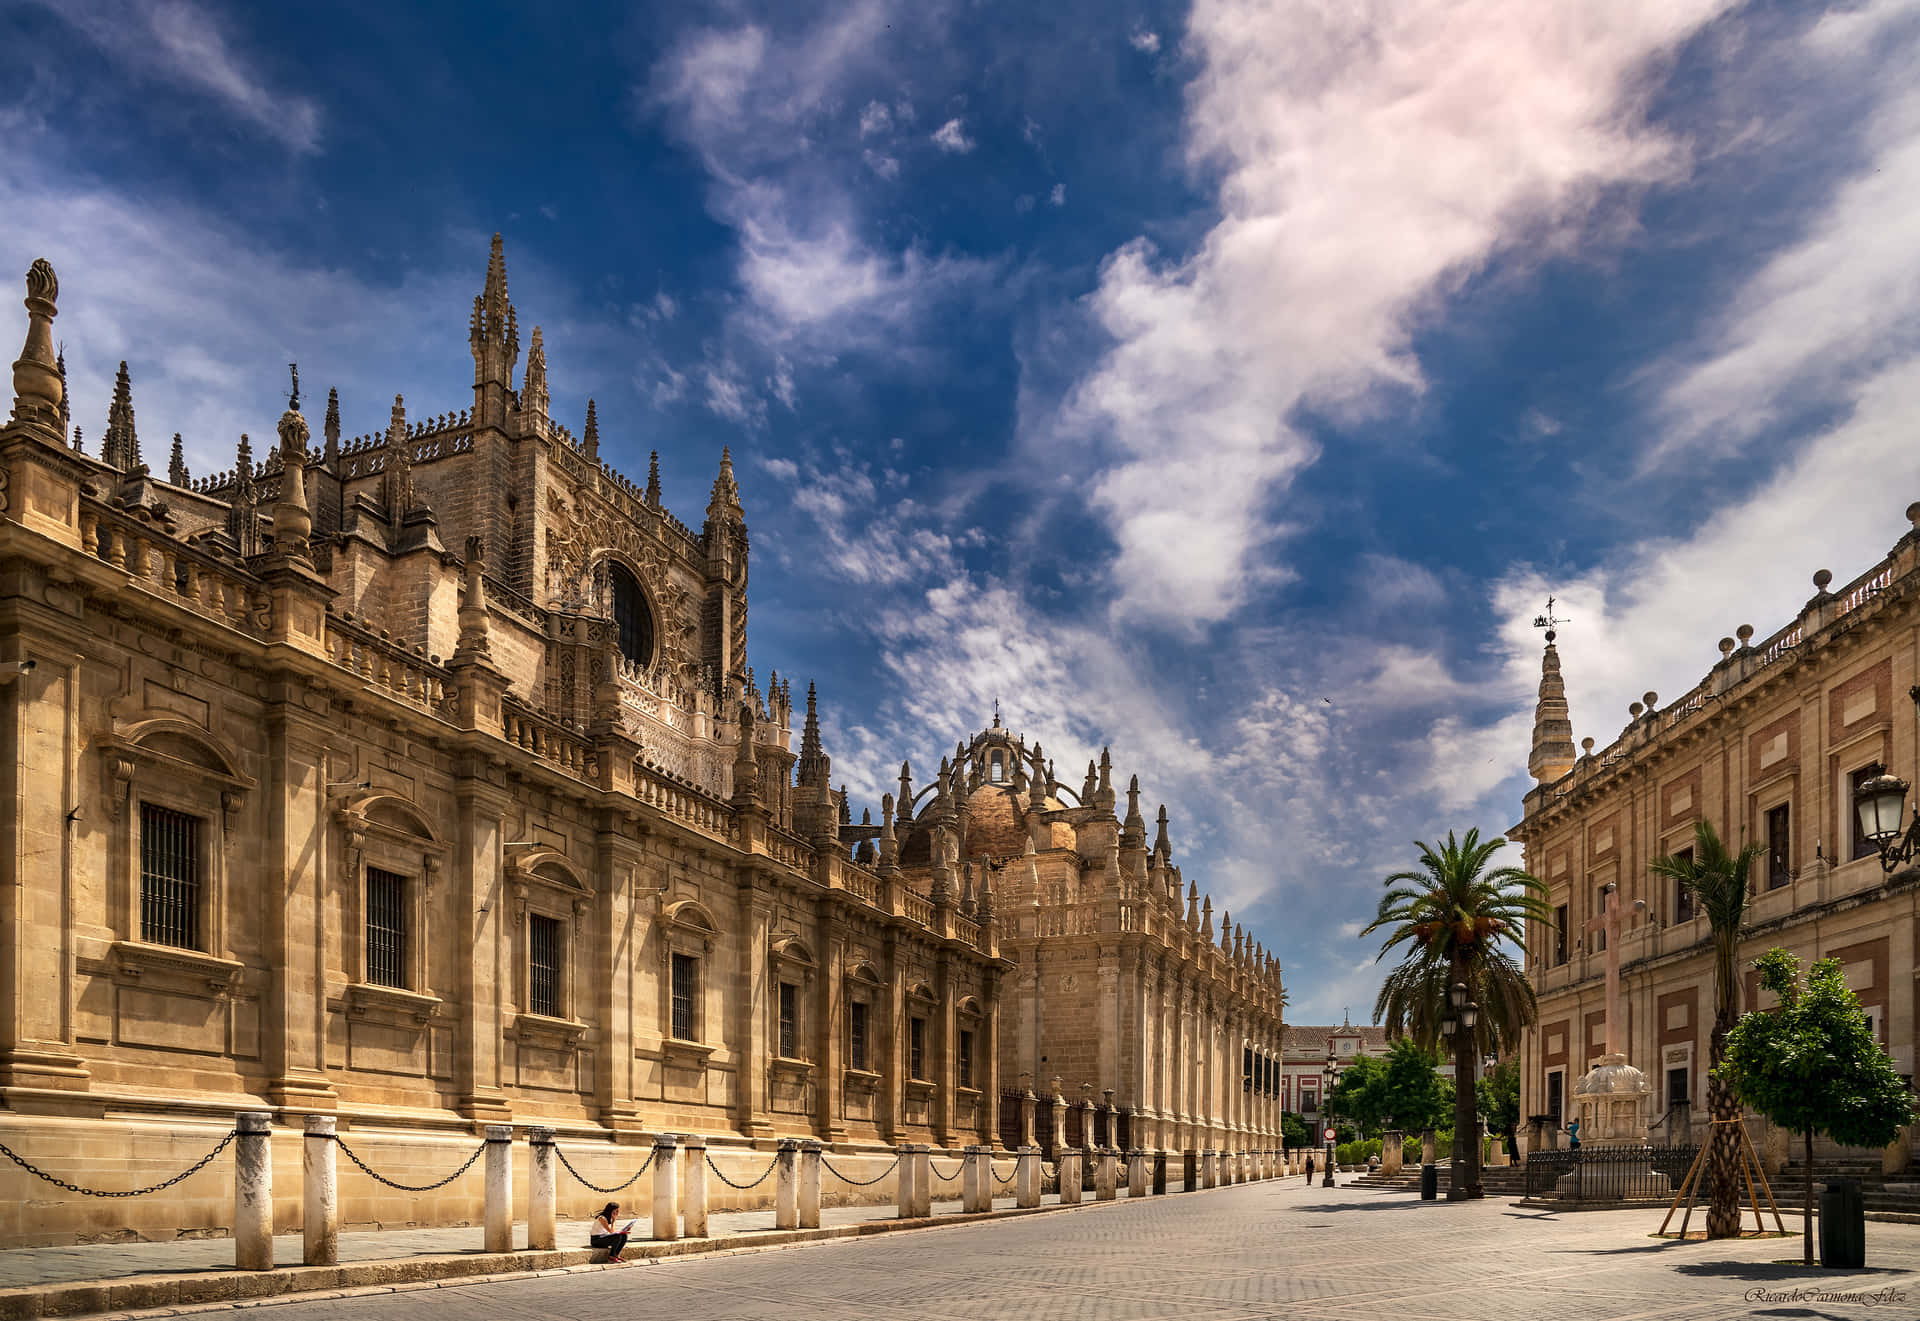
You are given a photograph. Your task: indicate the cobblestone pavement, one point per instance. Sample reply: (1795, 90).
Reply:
(1258, 1250)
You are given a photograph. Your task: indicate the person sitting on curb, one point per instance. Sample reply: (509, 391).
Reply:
(609, 1236)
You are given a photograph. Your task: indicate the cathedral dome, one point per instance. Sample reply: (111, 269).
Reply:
(996, 827)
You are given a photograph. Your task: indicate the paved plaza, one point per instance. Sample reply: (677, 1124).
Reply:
(1258, 1250)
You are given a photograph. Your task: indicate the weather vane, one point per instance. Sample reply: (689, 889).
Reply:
(1548, 621)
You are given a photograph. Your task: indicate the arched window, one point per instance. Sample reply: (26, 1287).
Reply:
(632, 621)
(998, 768)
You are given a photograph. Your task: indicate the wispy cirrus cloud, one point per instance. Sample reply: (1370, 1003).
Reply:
(182, 44)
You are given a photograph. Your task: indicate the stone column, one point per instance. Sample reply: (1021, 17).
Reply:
(810, 1185)
(903, 1180)
(1393, 1147)
(253, 1191)
(973, 1173)
(1027, 1105)
(1026, 1178)
(693, 1201)
(320, 1209)
(666, 1187)
(1136, 1173)
(499, 1204)
(1069, 1176)
(786, 1187)
(1106, 1176)
(922, 1180)
(542, 1210)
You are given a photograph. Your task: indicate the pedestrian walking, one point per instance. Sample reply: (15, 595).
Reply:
(1309, 1169)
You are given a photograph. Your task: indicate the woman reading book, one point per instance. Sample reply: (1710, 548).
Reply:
(608, 1235)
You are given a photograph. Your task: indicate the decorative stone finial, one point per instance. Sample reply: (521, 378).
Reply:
(474, 643)
(590, 434)
(653, 479)
(177, 463)
(292, 520)
(1821, 577)
(39, 392)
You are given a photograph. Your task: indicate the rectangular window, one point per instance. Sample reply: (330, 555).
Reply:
(686, 981)
(1559, 935)
(963, 1067)
(1309, 1102)
(1554, 1094)
(1682, 895)
(1246, 1068)
(386, 928)
(789, 1021)
(543, 965)
(1779, 846)
(857, 1035)
(169, 877)
(1599, 908)
(917, 1048)
(1862, 846)
(1679, 1090)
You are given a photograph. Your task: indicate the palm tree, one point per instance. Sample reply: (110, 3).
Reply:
(1717, 880)
(1455, 914)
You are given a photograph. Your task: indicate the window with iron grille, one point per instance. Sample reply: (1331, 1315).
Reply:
(917, 1048)
(857, 1035)
(964, 1066)
(686, 975)
(386, 928)
(543, 965)
(1682, 893)
(1559, 935)
(169, 877)
(789, 1021)
(1779, 846)
(632, 621)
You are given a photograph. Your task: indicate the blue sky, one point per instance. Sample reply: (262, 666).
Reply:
(1227, 384)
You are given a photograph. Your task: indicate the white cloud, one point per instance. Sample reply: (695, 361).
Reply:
(952, 136)
(177, 42)
(1058, 197)
(1371, 160)
(887, 167)
(876, 118)
(1145, 40)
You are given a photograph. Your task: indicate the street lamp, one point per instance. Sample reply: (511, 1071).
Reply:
(1878, 804)
(1463, 1016)
(1326, 1116)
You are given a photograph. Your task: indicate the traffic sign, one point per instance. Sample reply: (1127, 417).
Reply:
(1329, 1135)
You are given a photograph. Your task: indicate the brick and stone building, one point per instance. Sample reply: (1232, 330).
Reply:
(1769, 747)
(422, 779)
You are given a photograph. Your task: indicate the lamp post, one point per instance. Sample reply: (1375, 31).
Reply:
(1463, 1172)
(1326, 1116)
(1878, 806)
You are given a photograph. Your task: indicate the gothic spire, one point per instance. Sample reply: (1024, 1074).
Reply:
(331, 428)
(177, 463)
(396, 480)
(1134, 828)
(242, 527)
(815, 766)
(66, 395)
(1161, 844)
(590, 434)
(533, 390)
(121, 448)
(1552, 755)
(653, 479)
(723, 505)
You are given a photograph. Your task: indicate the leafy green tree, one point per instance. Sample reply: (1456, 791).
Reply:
(1402, 1090)
(1294, 1131)
(1457, 917)
(1499, 1099)
(1812, 1065)
(1358, 1093)
(1717, 880)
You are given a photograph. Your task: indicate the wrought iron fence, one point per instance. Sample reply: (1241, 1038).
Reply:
(1610, 1174)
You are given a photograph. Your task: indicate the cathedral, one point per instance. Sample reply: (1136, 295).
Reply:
(421, 779)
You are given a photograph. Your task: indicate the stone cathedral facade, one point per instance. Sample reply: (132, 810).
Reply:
(422, 779)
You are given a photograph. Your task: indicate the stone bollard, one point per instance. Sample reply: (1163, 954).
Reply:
(1028, 1104)
(975, 1181)
(903, 1180)
(666, 1187)
(1069, 1177)
(693, 1197)
(1136, 1174)
(1106, 1175)
(1189, 1171)
(1026, 1178)
(253, 1191)
(499, 1203)
(786, 1187)
(320, 1200)
(543, 1233)
(810, 1184)
(1159, 1174)
(1239, 1167)
(1209, 1169)
(1392, 1151)
(922, 1180)
(1426, 1147)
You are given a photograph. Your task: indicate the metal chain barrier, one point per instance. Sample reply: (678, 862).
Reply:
(618, 1187)
(996, 1174)
(943, 1178)
(409, 1187)
(827, 1165)
(191, 1170)
(742, 1187)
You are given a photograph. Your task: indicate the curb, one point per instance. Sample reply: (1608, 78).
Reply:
(173, 1294)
